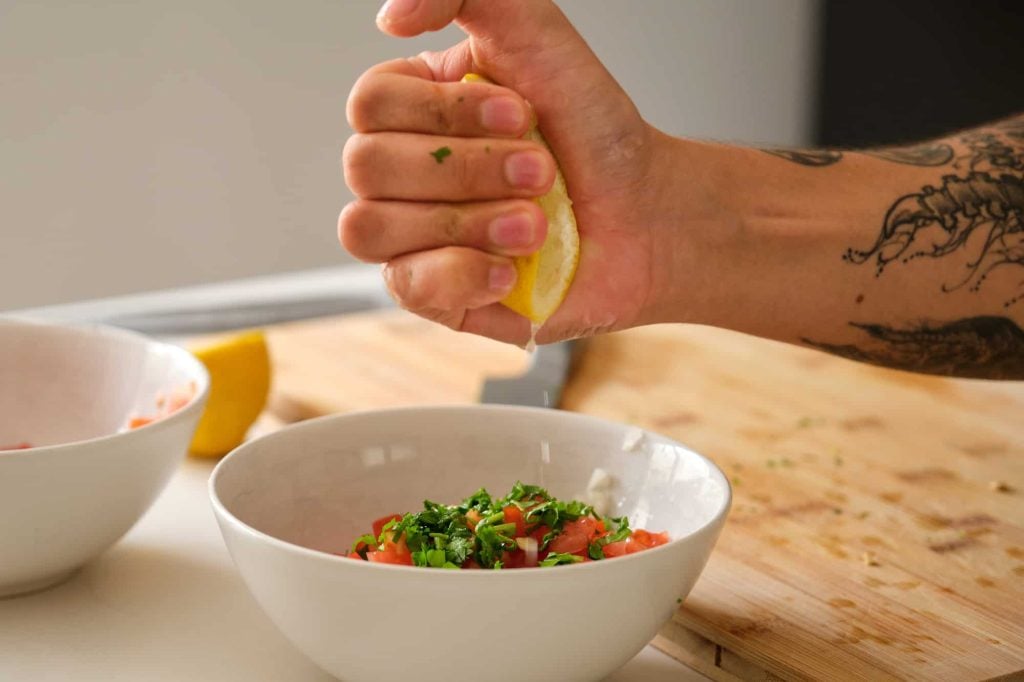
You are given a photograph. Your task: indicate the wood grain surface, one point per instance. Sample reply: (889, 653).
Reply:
(877, 530)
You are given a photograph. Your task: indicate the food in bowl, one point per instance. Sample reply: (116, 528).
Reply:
(527, 528)
(287, 503)
(166, 405)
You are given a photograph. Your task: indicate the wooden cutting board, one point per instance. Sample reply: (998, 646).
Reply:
(877, 530)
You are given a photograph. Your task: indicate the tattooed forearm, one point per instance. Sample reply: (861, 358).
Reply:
(979, 347)
(977, 212)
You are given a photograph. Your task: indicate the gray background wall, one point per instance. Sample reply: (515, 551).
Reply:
(146, 145)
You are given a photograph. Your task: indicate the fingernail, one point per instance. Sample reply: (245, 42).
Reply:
(512, 230)
(527, 170)
(396, 10)
(502, 115)
(501, 278)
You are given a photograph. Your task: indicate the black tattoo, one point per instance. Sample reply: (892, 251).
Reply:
(986, 148)
(938, 154)
(986, 199)
(978, 347)
(807, 157)
(929, 154)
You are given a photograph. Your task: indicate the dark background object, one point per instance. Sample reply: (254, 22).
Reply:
(904, 70)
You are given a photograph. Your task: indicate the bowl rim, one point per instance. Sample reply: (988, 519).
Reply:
(222, 512)
(97, 329)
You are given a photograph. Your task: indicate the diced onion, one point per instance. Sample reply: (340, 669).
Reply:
(529, 547)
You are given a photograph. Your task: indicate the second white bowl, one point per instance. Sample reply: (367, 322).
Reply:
(69, 391)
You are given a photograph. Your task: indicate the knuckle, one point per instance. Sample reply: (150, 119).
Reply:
(355, 230)
(437, 111)
(450, 220)
(466, 172)
(412, 292)
(453, 319)
(358, 159)
(361, 104)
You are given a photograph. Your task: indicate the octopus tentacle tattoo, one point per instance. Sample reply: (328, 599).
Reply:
(985, 347)
(940, 219)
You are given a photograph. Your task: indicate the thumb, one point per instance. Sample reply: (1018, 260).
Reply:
(531, 47)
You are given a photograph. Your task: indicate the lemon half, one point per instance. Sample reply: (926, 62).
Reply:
(544, 277)
(239, 368)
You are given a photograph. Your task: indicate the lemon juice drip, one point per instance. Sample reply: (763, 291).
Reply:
(545, 462)
(531, 345)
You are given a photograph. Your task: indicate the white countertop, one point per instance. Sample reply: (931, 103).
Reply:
(165, 603)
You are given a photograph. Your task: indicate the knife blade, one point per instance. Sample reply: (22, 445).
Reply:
(204, 320)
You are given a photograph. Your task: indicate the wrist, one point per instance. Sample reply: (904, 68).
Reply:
(696, 228)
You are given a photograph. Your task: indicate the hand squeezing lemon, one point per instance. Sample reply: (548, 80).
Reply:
(544, 277)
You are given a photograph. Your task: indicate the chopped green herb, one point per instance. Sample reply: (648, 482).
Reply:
(558, 558)
(771, 463)
(679, 600)
(440, 153)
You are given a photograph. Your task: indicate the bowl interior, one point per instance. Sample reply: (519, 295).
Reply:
(63, 384)
(320, 484)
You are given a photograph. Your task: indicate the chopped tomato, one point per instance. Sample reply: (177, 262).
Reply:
(648, 539)
(576, 536)
(165, 406)
(514, 559)
(391, 553)
(378, 525)
(178, 401)
(514, 514)
(472, 518)
(642, 539)
(614, 549)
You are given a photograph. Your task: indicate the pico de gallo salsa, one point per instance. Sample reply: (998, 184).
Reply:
(527, 528)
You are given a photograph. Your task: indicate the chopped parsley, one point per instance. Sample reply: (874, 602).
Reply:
(558, 558)
(513, 531)
(440, 153)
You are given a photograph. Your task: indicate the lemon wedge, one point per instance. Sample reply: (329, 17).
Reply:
(544, 277)
(239, 368)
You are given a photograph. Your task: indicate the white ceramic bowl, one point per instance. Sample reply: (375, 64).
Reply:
(285, 500)
(68, 390)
